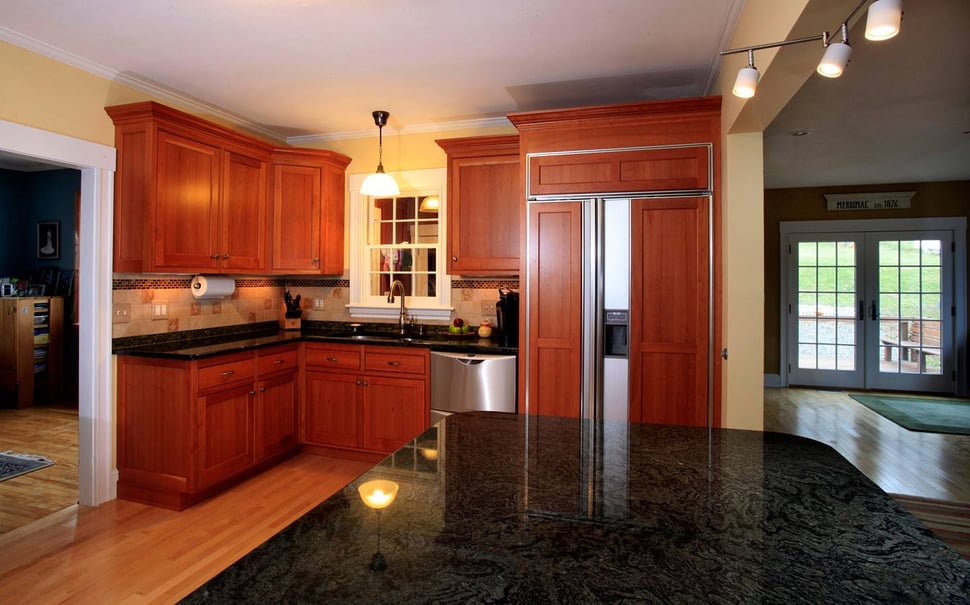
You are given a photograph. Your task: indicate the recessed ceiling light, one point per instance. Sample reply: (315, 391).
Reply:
(798, 133)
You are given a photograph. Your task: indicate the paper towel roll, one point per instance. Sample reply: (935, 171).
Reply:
(212, 287)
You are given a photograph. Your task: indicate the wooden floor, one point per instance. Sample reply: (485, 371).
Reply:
(45, 430)
(900, 461)
(122, 552)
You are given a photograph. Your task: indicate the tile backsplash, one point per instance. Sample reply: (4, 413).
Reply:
(144, 305)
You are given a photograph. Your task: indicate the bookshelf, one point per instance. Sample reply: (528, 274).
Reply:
(31, 349)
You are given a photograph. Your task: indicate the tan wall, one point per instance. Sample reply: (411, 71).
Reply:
(808, 204)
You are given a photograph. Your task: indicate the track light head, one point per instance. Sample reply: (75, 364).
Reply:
(884, 17)
(835, 59)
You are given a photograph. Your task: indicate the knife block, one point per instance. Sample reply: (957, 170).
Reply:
(290, 323)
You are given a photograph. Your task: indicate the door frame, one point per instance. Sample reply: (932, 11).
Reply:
(97, 478)
(956, 224)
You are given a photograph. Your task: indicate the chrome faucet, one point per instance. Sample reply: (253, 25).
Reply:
(402, 320)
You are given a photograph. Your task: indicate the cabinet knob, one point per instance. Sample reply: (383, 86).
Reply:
(228, 372)
(215, 256)
(225, 257)
(252, 392)
(277, 362)
(394, 363)
(454, 259)
(331, 359)
(262, 389)
(358, 382)
(316, 260)
(363, 382)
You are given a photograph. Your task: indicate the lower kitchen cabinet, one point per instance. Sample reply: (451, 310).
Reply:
(364, 401)
(189, 428)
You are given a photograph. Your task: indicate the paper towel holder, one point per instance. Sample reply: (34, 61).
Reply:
(214, 287)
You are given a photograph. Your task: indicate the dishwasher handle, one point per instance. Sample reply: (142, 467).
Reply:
(470, 362)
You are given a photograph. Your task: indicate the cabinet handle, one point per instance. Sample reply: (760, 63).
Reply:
(394, 363)
(228, 372)
(225, 257)
(331, 359)
(278, 362)
(215, 256)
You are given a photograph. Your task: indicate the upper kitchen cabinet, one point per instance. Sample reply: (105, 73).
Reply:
(308, 211)
(192, 197)
(483, 205)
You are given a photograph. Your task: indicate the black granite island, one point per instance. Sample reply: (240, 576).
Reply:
(504, 508)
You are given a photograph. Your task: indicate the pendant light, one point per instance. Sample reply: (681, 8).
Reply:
(380, 183)
(747, 81)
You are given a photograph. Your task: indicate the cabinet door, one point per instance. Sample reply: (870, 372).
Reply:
(296, 219)
(331, 410)
(226, 434)
(187, 205)
(393, 412)
(242, 225)
(276, 420)
(483, 216)
(332, 228)
(8, 344)
(669, 310)
(555, 308)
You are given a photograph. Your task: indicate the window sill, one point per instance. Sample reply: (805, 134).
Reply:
(393, 312)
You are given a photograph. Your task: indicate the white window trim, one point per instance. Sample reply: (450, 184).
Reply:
(364, 306)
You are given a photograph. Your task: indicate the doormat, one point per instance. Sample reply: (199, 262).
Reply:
(922, 413)
(14, 465)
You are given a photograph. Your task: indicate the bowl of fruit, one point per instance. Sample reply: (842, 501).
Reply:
(460, 329)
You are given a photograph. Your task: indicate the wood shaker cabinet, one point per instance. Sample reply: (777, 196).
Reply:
(308, 211)
(32, 349)
(364, 401)
(193, 197)
(483, 205)
(188, 429)
(190, 196)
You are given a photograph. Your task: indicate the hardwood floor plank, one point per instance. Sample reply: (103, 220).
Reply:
(126, 552)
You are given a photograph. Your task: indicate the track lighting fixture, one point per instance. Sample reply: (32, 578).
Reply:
(380, 183)
(882, 23)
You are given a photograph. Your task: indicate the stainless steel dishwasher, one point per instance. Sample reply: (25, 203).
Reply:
(471, 381)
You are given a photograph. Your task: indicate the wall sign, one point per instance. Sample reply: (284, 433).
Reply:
(887, 200)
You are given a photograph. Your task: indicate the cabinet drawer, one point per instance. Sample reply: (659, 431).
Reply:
(227, 372)
(276, 360)
(333, 357)
(397, 360)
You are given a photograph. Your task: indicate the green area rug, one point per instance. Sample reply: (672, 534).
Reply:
(922, 413)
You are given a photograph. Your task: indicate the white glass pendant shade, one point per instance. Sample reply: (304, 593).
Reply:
(835, 59)
(380, 184)
(747, 82)
(884, 17)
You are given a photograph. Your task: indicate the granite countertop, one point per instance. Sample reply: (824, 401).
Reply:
(509, 508)
(199, 344)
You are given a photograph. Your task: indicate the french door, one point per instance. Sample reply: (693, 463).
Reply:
(872, 310)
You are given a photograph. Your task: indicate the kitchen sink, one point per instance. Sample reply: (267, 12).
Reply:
(373, 336)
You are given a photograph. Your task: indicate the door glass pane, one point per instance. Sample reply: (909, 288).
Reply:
(827, 305)
(909, 312)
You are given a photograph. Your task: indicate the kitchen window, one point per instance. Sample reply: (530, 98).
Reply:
(395, 238)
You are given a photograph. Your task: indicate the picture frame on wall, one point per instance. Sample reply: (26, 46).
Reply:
(49, 240)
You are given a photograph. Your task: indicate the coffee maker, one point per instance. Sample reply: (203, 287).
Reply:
(507, 312)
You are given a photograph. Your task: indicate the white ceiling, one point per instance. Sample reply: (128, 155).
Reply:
(303, 70)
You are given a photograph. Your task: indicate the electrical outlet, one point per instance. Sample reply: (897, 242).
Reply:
(488, 307)
(121, 313)
(159, 311)
(320, 304)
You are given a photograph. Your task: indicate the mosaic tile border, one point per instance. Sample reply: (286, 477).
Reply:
(485, 284)
(180, 283)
